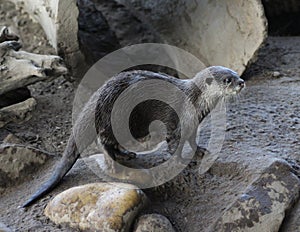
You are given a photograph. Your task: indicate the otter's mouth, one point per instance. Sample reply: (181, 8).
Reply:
(236, 90)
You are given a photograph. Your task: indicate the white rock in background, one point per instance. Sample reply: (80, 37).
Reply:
(153, 223)
(224, 33)
(58, 18)
(105, 207)
(20, 68)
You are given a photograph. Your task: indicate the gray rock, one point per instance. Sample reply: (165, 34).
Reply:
(4, 228)
(153, 223)
(263, 205)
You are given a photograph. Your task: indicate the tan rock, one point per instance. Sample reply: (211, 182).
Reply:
(153, 223)
(17, 113)
(97, 207)
(15, 159)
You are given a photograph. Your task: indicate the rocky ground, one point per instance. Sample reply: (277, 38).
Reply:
(263, 124)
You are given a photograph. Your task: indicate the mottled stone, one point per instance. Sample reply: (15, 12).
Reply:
(263, 205)
(17, 113)
(97, 207)
(153, 223)
(16, 159)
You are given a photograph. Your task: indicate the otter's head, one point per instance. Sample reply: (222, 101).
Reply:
(223, 81)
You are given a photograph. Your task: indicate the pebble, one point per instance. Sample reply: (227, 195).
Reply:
(276, 74)
(153, 223)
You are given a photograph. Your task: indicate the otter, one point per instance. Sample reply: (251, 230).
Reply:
(203, 91)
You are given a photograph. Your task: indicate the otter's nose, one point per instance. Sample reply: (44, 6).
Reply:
(241, 83)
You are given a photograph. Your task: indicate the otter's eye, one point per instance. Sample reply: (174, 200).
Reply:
(227, 80)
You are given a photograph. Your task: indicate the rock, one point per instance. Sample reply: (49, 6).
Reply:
(95, 36)
(4, 228)
(276, 74)
(97, 207)
(19, 68)
(17, 113)
(16, 160)
(292, 222)
(153, 223)
(6, 35)
(263, 205)
(224, 33)
(12, 139)
(59, 21)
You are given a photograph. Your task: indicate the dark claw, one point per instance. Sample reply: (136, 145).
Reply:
(201, 151)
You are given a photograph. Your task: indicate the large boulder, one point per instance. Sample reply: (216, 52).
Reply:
(263, 205)
(106, 207)
(226, 33)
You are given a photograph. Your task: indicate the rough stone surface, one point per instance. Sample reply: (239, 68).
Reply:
(17, 113)
(4, 228)
(97, 207)
(96, 39)
(16, 159)
(224, 33)
(7, 35)
(153, 223)
(263, 205)
(58, 18)
(19, 68)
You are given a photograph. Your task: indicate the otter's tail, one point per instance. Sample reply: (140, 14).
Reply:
(70, 156)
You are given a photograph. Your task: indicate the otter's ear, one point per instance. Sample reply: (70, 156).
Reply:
(209, 80)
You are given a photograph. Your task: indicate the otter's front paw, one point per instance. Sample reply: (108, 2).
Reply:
(201, 151)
